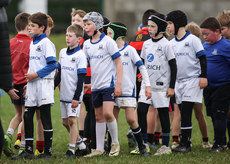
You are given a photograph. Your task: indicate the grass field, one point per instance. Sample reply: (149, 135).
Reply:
(60, 138)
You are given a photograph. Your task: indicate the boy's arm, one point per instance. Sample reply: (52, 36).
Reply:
(118, 86)
(203, 76)
(144, 73)
(57, 79)
(80, 82)
(173, 68)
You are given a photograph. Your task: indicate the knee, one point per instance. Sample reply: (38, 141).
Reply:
(131, 123)
(71, 121)
(108, 116)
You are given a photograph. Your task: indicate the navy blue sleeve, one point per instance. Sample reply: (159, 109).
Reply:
(51, 65)
(173, 68)
(57, 79)
(203, 65)
(80, 82)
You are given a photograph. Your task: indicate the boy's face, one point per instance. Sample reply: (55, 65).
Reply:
(34, 29)
(209, 36)
(89, 27)
(171, 27)
(152, 28)
(109, 33)
(71, 39)
(77, 20)
(225, 31)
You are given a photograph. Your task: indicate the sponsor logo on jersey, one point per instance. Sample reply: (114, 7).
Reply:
(67, 68)
(35, 58)
(96, 57)
(150, 57)
(214, 52)
(39, 49)
(181, 54)
(186, 44)
(153, 67)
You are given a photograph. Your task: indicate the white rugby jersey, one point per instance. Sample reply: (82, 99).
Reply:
(187, 50)
(130, 61)
(71, 65)
(100, 56)
(41, 52)
(156, 56)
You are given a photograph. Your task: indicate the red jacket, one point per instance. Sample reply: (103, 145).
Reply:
(20, 49)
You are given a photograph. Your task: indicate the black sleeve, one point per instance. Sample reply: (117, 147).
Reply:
(173, 68)
(203, 65)
(80, 82)
(57, 79)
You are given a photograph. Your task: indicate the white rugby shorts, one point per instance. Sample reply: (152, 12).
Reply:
(122, 102)
(188, 90)
(39, 92)
(68, 111)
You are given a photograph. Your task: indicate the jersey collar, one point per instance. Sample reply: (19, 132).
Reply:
(125, 45)
(101, 37)
(38, 38)
(185, 36)
(72, 51)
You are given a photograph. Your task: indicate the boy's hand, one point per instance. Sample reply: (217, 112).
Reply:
(75, 104)
(13, 95)
(170, 92)
(31, 76)
(203, 83)
(148, 92)
(87, 87)
(140, 78)
(118, 90)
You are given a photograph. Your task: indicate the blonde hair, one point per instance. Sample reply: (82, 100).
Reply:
(50, 21)
(224, 18)
(194, 29)
(77, 29)
(79, 12)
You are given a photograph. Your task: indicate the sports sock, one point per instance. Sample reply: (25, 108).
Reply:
(150, 138)
(40, 146)
(81, 133)
(165, 139)
(81, 145)
(10, 132)
(72, 148)
(138, 136)
(112, 126)
(175, 138)
(156, 137)
(205, 139)
(19, 136)
(100, 135)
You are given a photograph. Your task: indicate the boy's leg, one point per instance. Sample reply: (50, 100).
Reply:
(81, 120)
(165, 124)
(40, 135)
(29, 128)
(47, 128)
(198, 109)
(186, 127)
(176, 125)
(130, 117)
(151, 122)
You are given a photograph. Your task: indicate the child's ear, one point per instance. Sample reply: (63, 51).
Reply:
(42, 27)
(79, 38)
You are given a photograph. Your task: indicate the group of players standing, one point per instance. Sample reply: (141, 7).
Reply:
(173, 73)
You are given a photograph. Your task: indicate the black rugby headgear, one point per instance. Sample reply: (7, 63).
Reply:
(178, 18)
(119, 30)
(159, 20)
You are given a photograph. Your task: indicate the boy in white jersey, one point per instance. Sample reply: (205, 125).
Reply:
(161, 66)
(106, 80)
(191, 75)
(130, 61)
(72, 68)
(39, 91)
